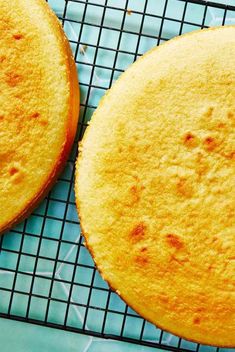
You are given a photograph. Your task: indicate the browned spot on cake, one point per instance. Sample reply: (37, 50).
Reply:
(210, 143)
(210, 267)
(35, 115)
(214, 240)
(184, 187)
(231, 118)
(174, 264)
(174, 241)
(221, 125)
(229, 156)
(141, 259)
(202, 165)
(163, 298)
(232, 257)
(2, 58)
(189, 140)
(136, 178)
(12, 79)
(226, 280)
(136, 138)
(146, 147)
(179, 259)
(13, 170)
(1, 117)
(134, 190)
(43, 122)
(6, 23)
(196, 320)
(18, 36)
(16, 174)
(135, 194)
(138, 232)
(188, 137)
(200, 309)
(229, 215)
(18, 178)
(230, 115)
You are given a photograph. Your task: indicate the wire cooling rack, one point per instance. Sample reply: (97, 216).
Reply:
(47, 276)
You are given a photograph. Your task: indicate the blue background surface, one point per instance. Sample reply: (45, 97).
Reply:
(52, 231)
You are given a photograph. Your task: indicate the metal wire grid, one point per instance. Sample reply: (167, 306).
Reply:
(47, 277)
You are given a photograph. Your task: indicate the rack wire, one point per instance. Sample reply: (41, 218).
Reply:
(47, 276)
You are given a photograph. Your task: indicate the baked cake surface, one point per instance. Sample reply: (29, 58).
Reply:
(38, 105)
(155, 186)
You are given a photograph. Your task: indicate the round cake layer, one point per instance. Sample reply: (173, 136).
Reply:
(155, 186)
(38, 105)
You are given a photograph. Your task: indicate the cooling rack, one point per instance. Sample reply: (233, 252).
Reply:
(47, 276)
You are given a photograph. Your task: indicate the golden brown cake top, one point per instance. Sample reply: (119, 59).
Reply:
(37, 122)
(156, 186)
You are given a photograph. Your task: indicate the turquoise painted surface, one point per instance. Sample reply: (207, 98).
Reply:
(21, 337)
(45, 236)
